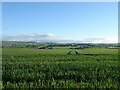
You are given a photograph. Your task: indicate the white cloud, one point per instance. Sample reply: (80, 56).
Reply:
(42, 35)
(26, 37)
(49, 37)
(101, 40)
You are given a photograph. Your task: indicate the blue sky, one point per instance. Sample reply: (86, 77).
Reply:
(60, 21)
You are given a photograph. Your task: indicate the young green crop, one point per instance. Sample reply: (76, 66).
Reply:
(54, 68)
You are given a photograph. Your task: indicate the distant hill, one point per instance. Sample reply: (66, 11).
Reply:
(16, 44)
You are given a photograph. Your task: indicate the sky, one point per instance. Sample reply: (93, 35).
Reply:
(91, 22)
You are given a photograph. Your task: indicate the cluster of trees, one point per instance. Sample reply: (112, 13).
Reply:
(50, 45)
(12, 44)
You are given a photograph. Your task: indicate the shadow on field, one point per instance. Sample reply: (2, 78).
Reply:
(66, 60)
(77, 53)
(95, 54)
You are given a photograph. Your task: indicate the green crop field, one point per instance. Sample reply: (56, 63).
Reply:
(54, 68)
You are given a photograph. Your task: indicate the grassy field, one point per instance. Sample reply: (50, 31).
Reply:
(54, 68)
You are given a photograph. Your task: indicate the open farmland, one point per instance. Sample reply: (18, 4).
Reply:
(54, 68)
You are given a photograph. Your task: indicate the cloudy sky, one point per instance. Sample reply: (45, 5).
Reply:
(91, 22)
